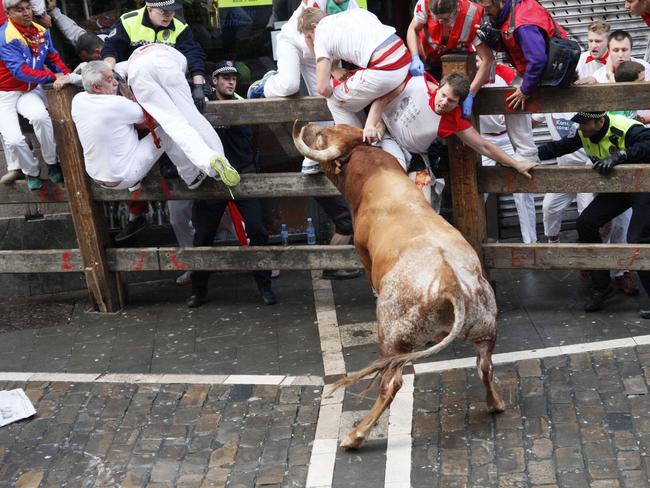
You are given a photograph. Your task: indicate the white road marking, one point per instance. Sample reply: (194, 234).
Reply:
(398, 451)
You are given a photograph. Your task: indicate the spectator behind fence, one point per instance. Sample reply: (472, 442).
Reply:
(620, 45)
(88, 45)
(631, 71)
(523, 38)
(156, 22)
(238, 145)
(609, 140)
(114, 156)
(28, 60)
(597, 52)
(642, 9)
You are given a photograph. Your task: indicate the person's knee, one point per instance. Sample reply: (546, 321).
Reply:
(40, 118)
(14, 141)
(283, 86)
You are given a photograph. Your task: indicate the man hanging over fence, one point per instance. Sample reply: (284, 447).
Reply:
(355, 36)
(609, 140)
(114, 156)
(419, 111)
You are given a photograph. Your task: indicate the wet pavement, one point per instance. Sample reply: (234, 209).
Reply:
(232, 393)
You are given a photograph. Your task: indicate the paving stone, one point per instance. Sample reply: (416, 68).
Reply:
(541, 472)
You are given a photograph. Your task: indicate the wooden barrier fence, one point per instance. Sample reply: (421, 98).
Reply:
(102, 265)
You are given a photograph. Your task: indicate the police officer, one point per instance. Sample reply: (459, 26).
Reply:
(157, 22)
(609, 140)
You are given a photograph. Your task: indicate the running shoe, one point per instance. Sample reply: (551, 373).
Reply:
(227, 174)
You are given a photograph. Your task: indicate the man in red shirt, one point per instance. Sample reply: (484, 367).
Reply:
(640, 8)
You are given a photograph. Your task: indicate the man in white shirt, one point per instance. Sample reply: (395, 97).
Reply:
(597, 53)
(620, 49)
(106, 123)
(358, 37)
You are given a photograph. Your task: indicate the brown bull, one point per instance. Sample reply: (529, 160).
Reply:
(428, 279)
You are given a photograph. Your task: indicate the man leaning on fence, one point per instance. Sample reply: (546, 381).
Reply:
(238, 145)
(609, 140)
(27, 61)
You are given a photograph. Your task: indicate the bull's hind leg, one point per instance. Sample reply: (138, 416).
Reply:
(391, 382)
(486, 372)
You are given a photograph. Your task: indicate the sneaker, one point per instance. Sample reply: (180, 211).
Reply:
(184, 279)
(196, 182)
(340, 274)
(34, 182)
(310, 167)
(132, 227)
(11, 176)
(256, 90)
(625, 283)
(227, 174)
(268, 297)
(598, 299)
(54, 173)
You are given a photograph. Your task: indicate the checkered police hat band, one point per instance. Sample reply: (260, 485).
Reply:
(161, 4)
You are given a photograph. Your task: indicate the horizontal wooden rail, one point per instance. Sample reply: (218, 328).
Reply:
(627, 178)
(267, 110)
(567, 256)
(585, 98)
(173, 258)
(505, 256)
(263, 185)
(493, 179)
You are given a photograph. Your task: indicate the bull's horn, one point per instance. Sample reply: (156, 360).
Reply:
(320, 155)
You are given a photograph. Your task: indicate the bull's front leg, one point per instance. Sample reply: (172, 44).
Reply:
(485, 368)
(391, 382)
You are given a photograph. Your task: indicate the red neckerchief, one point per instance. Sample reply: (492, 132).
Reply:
(32, 36)
(603, 60)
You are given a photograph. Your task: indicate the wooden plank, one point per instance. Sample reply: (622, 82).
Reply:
(267, 110)
(41, 261)
(263, 185)
(233, 258)
(567, 256)
(464, 164)
(106, 288)
(627, 178)
(584, 98)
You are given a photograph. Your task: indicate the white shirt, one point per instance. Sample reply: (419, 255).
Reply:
(586, 69)
(108, 137)
(601, 73)
(289, 30)
(413, 123)
(351, 36)
(493, 124)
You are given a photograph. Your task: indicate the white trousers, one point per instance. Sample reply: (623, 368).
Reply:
(146, 156)
(363, 88)
(12, 162)
(159, 85)
(180, 216)
(30, 105)
(554, 206)
(520, 133)
(294, 61)
(524, 202)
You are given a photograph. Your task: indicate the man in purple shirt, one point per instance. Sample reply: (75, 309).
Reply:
(523, 40)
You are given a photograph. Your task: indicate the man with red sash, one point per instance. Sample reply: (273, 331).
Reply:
(525, 26)
(439, 26)
(355, 36)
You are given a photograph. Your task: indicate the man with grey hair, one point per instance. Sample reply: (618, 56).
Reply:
(106, 123)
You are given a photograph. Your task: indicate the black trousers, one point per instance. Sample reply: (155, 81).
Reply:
(206, 215)
(604, 208)
(336, 209)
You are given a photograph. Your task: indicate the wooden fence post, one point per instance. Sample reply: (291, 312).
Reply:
(464, 163)
(106, 288)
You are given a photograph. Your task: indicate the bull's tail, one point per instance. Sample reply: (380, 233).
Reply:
(396, 362)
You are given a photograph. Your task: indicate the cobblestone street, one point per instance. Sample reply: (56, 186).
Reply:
(235, 394)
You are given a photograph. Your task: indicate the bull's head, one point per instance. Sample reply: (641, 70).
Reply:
(330, 146)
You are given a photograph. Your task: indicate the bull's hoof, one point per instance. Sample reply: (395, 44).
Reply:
(353, 441)
(497, 407)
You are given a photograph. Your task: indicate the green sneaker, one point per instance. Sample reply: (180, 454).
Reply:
(227, 174)
(34, 182)
(54, 173)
